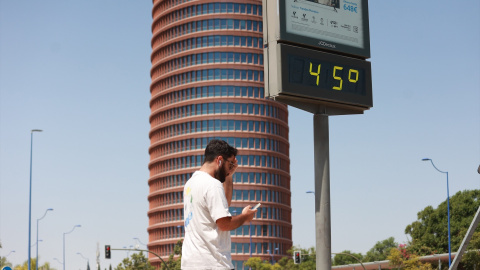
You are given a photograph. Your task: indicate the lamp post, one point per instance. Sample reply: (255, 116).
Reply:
(13, 251)
(180, 228)
(271, 254)
(88, 261)
(59, 261)
(49, 209)
(64, 262)
(448, 213)
(30, 200)
(136, 238)
(36, 244)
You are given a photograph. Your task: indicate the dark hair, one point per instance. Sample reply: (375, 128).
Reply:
(217, 148)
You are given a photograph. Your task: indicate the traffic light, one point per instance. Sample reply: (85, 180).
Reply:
(107, 252)
(297, 257)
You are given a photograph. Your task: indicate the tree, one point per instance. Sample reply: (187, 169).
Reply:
(24, 266)
(33, 263)
(343, 259)
(380, 250)
(401, 259)
(430, 232)
(137, 261)
(4, 262)
(174, 264)
(257, 264)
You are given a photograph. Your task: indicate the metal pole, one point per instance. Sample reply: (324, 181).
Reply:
(36, 261)
(466, 240)
(250, 239)
(448, 213)
(63, 251)
(64, 262)
(30, 204)
(322, 191)
(30, 200)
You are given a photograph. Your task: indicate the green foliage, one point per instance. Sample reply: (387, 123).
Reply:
(174, 264)
(380, 250)
(257, 264)
(286, 263)
(33, 263)
(137, 261)
(4, 262)
(347, 257)
(471, 260)
(401, 260)
(430, 232)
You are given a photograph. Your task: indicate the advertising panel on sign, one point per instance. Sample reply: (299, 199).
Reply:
(336, 25)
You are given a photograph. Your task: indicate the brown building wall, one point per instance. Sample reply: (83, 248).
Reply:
(207, 82)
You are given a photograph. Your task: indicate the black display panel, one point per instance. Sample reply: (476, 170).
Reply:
(323, 76)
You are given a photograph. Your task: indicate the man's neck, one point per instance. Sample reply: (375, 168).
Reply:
(208, 168)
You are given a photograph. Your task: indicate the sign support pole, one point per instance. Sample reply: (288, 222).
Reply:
(322, 191)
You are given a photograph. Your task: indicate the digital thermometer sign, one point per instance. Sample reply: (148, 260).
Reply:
(315, 75)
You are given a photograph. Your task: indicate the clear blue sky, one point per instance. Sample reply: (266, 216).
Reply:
(79, 70)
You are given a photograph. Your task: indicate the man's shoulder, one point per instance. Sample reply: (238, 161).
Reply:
(203, 179)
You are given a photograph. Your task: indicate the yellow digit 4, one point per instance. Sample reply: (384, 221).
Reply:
(335, 68)
(315, 74)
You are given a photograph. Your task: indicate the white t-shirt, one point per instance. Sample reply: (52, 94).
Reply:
(205, 246)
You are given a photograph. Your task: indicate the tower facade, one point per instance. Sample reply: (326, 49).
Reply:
(207, 82)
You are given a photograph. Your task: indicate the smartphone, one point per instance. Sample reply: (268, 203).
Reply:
(256, 206)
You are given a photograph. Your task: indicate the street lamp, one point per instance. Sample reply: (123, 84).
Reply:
(311, 192)
(49, 209)
(13, 251)
(30, 200)
(64, 262)
(88, 261)
(268, 250)
(448, 213)
(1, 266)
(136, 238)
(58, 261)
(36, 244)
(179, 228)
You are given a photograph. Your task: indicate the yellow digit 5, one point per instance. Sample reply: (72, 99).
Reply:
(335, 68)
(315, 74)
(350, 75)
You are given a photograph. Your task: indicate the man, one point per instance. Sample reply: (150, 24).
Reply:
(207, 196)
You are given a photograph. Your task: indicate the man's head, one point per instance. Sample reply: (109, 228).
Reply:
(221, 153)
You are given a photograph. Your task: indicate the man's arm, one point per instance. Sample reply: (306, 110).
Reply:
(228, 187)
(231, 223)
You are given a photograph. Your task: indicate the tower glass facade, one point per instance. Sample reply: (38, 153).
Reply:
(207, 82)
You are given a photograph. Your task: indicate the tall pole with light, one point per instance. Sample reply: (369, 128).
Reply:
(30, 201)
(36, 262)
(448, 213)
(88, 261)
(64, 262)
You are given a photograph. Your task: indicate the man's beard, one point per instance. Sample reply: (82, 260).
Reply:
(220, 174)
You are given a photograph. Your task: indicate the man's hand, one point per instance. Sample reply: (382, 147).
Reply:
(232, 167)
(249, 213)
(231, 223)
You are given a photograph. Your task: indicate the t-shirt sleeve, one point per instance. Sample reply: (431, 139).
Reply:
(217, 203)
